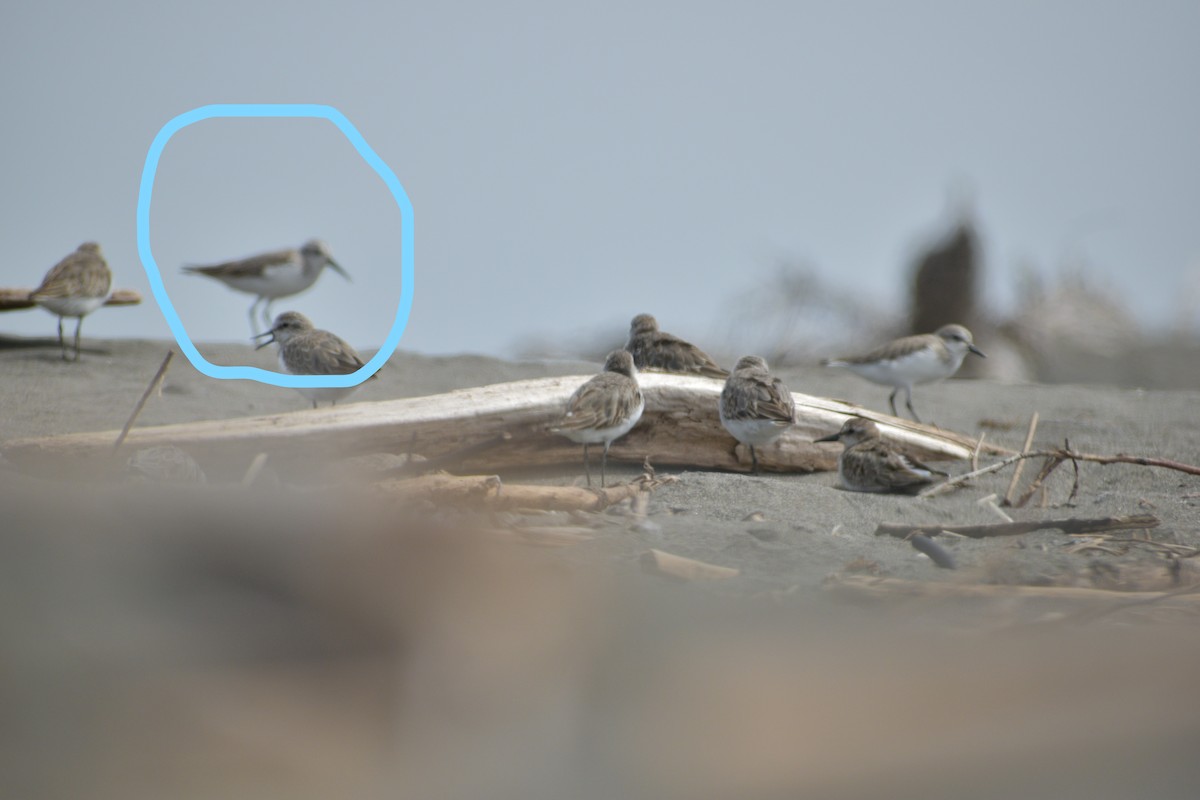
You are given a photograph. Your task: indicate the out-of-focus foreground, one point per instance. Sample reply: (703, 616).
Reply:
(221, 643)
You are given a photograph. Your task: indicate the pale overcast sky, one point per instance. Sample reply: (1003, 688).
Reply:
(573, 164)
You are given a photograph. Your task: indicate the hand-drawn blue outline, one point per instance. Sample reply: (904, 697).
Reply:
(164, 301)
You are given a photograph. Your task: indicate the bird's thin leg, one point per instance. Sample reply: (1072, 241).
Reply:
(587, 467)
(908, 402)
(892, 401)
(62, 346)
(267, 318)
(754, 460)
(604, 463)
(78, 325)
(253, 318)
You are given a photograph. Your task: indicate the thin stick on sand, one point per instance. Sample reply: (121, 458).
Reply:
(155, 382)
(682, 568)
(1012, 485)
(1070, 525)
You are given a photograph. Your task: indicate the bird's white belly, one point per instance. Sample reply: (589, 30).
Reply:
(756, 432)
(921, 366)
(71, 306)
(278, 281)
(607, 435)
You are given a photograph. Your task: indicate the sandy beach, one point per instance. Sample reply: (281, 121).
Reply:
(391, 651)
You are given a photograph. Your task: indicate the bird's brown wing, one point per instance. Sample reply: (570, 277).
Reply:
(79, 274)
(323, 353)
(672, 354)
(759, 397)
(603, 402)
(891, 350)
(247, 266)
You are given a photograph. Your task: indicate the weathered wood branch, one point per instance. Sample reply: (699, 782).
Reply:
(490, 493)
(682, 568)
(1072, 525)
(680, 427)
(18, 299)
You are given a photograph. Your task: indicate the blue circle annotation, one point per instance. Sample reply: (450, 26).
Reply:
(376, 163)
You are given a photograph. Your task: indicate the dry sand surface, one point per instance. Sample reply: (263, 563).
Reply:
(270, 644)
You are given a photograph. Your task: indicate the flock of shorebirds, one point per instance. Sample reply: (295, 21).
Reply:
(755, 406)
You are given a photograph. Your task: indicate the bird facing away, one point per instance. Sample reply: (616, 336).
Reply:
(270, 276)
(75, 287)
(306, 350)
(755, 406)
(654, 349)
(868, 464)
(604, 409)
(903, 363)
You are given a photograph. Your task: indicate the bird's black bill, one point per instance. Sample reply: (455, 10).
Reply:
(833, 437)
(261, 345)
(336, 267)
(976, 350)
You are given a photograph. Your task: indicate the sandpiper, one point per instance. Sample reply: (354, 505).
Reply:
(911, 360)
(75, 287)
(654, 349)
(271, 276)
(868, 464)
(755, 406)
(603, 409)
(306, 350)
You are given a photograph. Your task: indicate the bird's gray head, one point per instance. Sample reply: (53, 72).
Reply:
(750, 362)
(316, 256)
(620, 361)
(643, 323)
(958, 339)
(855, 430)
(286, 325)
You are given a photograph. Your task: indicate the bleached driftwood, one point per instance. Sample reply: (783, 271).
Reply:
(681, 568)
(18, 299)
(490, 493)
(680, 427)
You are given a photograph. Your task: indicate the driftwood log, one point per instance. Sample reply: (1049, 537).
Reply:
(1072, 525)
(680, 427)
(18, 299)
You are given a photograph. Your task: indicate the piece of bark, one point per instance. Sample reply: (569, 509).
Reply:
(684, 569)
(18, 299)
(679, 427)
(937, 554)
(1071, 525)
(490, 493)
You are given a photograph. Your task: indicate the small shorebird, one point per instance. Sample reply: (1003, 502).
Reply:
(306, 350)
(654, 349)
(906, 362)
(271, 276)
(603, 409)
(75, 287)
(870, 465)
(755, 406)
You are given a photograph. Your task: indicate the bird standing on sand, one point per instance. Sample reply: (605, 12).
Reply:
(654, 349)
(905, 362)
(868, 464)
(306, 350)
(270, 276)
(755, 406)
(603, 409)
(75, 287)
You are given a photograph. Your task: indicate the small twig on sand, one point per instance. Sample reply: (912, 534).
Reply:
(1070, 525)
(155, 382)
(947, 485)
(978, 448)
(1016, 478)
(1049, 465)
